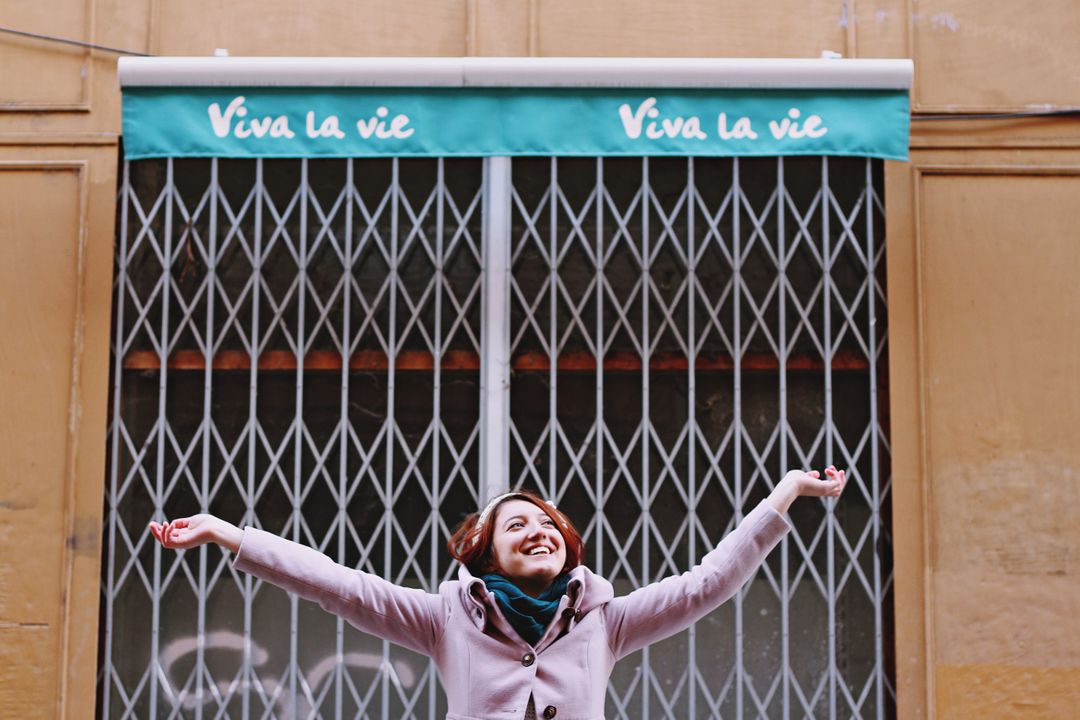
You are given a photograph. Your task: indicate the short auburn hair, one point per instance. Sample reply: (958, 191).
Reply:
(471, 543)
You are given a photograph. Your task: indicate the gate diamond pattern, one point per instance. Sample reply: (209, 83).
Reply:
(284, 349)
(297, 345)
(683, 331)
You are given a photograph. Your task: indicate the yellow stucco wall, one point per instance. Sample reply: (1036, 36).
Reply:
(986, 462)
(983, 251)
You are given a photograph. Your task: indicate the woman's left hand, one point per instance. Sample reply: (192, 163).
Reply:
(811, 484)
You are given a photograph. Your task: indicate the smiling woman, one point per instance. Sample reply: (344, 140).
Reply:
(526, 625)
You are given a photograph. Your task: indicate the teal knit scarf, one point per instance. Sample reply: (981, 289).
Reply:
(528, 615)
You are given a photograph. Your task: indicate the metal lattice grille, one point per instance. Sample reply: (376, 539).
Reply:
(284, 349)
(298, 346)
(684, 331)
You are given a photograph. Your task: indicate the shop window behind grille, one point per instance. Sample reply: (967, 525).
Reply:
(684, 331)
(287, 354)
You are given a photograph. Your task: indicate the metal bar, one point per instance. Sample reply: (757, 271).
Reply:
(691, 422)
(601, 344)
(646, 350)
(437, 351)
(785, 610)
(155, 633)
(208, 377)
(736, 339)
(298, 432)
(252, 431)
(829, 504)
(114, 441)
(343, 460)
(495, 330)
(553, 330)
(391, 418)
(875, 479)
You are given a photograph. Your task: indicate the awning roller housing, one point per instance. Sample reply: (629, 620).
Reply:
(776, 73)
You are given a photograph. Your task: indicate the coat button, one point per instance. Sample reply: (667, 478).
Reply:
(528, 659)
(550, 712)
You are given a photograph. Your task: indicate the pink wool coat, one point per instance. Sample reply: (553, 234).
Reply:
(487, 670)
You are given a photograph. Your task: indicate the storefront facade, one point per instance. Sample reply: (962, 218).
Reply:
(357, 350)
(710, 325)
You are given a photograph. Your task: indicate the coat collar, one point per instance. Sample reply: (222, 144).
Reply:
(585, 592)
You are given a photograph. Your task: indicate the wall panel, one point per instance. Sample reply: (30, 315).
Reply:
(55, 223)
(280, 27)
(877, 28)
(39, 269)
(35, 75)
(989, 509)
(694, 28)
(973, 55)
(501, 28)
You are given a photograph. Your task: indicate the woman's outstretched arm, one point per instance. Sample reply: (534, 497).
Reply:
(659, 610)
(409, 617)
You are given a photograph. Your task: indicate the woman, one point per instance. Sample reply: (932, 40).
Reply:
(526, 630)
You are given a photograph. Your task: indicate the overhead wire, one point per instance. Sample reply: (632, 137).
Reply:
(1015, 115)
(69, 41)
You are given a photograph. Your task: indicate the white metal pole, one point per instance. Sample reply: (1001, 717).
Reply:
(495, 343)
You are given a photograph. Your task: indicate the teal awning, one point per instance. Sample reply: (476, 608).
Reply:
(410, 107)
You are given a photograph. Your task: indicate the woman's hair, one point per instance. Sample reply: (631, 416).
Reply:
(471, 543)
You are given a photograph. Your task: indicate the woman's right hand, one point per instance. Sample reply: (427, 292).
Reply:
(189, 532)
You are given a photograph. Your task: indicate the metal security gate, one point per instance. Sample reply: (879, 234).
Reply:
(683, 330)
(355, 353)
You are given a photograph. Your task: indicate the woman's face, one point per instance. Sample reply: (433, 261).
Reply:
(527, 547)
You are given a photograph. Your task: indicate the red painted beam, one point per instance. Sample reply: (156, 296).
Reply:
(460, 360)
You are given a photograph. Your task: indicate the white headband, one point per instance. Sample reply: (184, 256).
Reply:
(493, 503)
